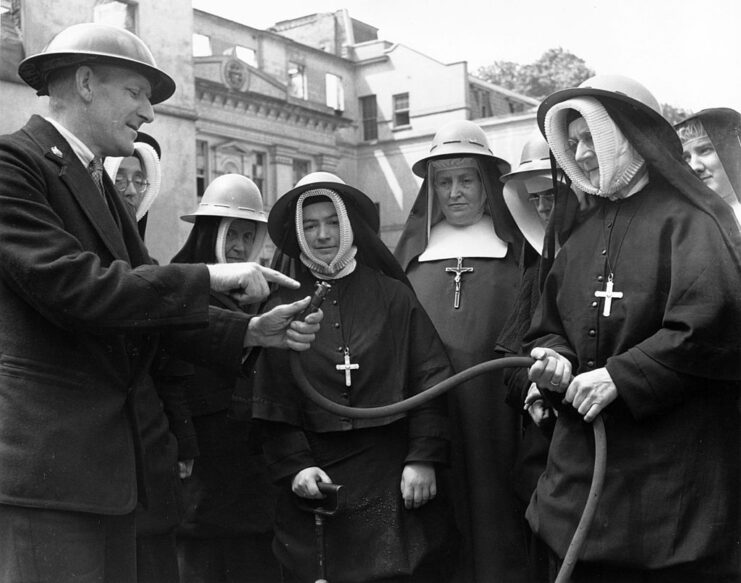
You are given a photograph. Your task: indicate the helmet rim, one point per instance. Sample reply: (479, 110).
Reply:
(233, 196)
(34, 69)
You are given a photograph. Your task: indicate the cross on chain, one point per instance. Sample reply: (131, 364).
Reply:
(608, 294)
(347, 367)
(459, 270)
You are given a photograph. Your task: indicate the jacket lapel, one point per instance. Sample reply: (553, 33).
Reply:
(80, 185)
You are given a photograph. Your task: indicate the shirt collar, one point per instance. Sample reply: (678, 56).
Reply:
(84, 153)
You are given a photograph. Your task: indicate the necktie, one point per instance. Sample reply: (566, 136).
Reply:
(95, 168)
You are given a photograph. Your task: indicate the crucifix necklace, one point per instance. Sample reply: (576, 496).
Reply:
(610, 293)
(348, 367)
(459, 270)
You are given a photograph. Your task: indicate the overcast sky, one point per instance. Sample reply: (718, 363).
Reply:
(688, 53)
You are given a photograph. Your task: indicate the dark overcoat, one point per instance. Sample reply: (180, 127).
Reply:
(670, 344)
(83, 312)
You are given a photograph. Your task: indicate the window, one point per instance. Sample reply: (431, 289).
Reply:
(201, 167)
(369, 116)
(258, 171)
(401, 109)
(115, 13)
(11, 39)
(201, 45)
(300, 169)
(297, 81)
(335, 92)
(247, 55)
(481, 103)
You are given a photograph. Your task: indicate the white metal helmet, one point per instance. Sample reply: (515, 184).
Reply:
(532, 175)
(458, 138)
(230, 195)
(620, 92)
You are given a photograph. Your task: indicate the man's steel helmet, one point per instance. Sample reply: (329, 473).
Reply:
(91, 43)
(232, 196)
(458, 138)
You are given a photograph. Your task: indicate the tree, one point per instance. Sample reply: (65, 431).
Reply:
(555, 69)
(503, 73)
(674, 114)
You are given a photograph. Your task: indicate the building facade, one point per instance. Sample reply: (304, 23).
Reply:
(319, 92)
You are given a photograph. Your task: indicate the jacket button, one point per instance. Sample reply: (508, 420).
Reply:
(336, 324)
(592, 332)
(595, 304)
(590, 363)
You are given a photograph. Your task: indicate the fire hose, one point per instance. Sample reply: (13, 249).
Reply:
(600, 441)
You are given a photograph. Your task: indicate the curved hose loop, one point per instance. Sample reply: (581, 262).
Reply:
(590, 508)
(406, 404)
(600, 439)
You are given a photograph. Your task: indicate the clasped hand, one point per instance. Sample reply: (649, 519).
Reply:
(589, 393)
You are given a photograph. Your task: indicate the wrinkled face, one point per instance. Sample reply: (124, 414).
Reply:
(118, 106)
(322, 230)
(131, 181)
(543, 202)
(460, 194)
(702, 157)
(240, 238)
(582, 146)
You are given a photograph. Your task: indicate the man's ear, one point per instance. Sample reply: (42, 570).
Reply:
(84, 81)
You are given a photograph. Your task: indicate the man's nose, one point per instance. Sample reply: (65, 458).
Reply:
(146, 111)
(130, 188)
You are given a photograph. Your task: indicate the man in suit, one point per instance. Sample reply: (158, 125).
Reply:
(85, 314)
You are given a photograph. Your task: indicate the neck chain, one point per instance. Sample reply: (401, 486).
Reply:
(346, 366)
(609, 293)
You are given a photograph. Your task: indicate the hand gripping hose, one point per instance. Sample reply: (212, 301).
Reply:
(600, 441)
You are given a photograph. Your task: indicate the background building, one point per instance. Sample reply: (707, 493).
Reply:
(319, 92)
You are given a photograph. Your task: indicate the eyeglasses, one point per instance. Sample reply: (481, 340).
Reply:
(140, 185)
(536, 197)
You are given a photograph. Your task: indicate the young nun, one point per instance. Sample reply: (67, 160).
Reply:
(377, 347)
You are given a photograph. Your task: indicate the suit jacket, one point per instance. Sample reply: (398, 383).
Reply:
(83, 313)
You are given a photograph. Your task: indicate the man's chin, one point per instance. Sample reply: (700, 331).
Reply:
(125, 148)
